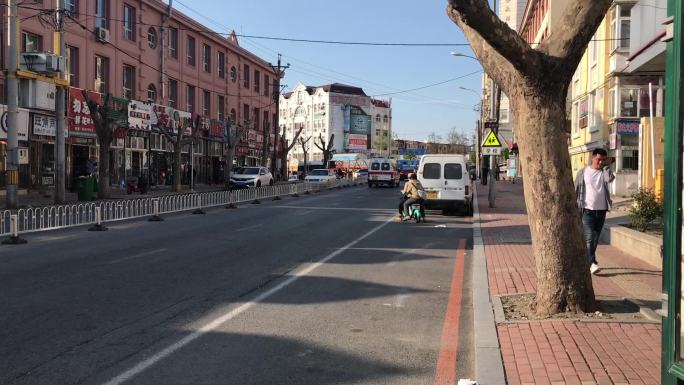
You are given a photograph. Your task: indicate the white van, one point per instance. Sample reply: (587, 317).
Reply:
(446, 181)
(383, 171)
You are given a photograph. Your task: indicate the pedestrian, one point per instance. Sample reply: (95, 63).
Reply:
(593, 200)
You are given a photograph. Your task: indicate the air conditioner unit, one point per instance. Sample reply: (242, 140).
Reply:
(41, 62)
(102, 34)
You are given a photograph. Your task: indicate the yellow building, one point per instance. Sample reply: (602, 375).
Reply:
(609, 100)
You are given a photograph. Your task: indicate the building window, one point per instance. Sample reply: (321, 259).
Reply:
(129, 22)
(190, 99)
(613, 102)
(377, 118)
(575, 119)
(267, 84)
(233, 115)
(206, 58)
(620, 26)
(71, 7)
(206, 103)
(503, 115)
(101, 74)
(630, 160)
(173, 42)
(128, 82)
(583, 112)
(221, 107)
(173, 93)
(245, 76)
(152, 37)
(72, 65)
(593, 113)
(257, 80)
(31, 42)
(255, 116)
(245, 114)
(233, 74)
(191, 50)
(151, 93)
(594, 49)
(102, 14)
(221, 60)
(385, 119)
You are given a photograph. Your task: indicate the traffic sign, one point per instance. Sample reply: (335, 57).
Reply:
(492, 140)
(491, 150)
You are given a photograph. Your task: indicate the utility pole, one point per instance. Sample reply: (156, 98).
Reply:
(60, 110)
(280, 73)
(495, 95)
(389, 132)
(12, 173)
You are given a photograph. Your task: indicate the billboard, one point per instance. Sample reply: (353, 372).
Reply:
(360, 124)
(355, 142)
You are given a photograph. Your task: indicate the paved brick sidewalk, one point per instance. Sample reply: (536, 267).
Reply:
(566, 351)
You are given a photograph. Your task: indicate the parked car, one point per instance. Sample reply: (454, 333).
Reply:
(294, 178)
(252, 177)
(320, 175)
(361, 172)
(404, 173)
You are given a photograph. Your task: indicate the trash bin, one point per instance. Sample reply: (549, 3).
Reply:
(86, 189)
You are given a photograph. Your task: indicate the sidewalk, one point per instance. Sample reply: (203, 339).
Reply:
(555, 352)
(36, 199)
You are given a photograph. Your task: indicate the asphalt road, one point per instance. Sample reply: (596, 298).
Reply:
(321, 289)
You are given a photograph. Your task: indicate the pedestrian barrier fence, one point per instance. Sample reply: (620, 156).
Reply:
(35, 219)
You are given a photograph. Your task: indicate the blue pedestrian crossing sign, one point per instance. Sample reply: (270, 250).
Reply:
(492, 140)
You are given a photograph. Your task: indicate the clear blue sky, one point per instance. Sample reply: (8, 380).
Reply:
(377, 69)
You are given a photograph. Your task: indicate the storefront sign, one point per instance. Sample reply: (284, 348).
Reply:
(360, 124)
(355, 142)
(627, 127)
(22, 123)
(139, 114)
(80, 121)
(82, 140)
(170, 119)
(138, 134)
(46, 126)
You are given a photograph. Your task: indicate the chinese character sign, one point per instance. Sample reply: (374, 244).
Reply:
(78, 114)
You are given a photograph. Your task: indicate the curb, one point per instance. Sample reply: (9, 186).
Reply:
(489, 369)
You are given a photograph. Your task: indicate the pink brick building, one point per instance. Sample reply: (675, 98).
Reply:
(132, 50)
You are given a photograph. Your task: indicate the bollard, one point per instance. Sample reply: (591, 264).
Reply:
(155, 211)
(98, 226)
(199, 210)
(14, 239)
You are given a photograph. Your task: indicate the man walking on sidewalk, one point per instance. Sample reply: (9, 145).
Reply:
(593, 200)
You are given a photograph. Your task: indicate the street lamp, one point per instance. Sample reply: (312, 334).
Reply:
(461, 54)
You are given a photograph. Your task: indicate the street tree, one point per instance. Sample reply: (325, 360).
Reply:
(234, 133)
(286, 147)
(433, 140)
(185, 135)
(410, 156)
(536, 81)
(108, 115)
(326, 148)
(303, 142)
(266, 143)
(382, 142)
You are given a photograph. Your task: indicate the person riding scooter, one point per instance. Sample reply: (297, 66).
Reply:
(411, 194)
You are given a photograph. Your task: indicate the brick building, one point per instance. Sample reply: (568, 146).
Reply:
(141, 51)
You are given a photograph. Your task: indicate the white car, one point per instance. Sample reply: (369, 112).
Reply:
(320, 175)
(252, 177)
(293, 178)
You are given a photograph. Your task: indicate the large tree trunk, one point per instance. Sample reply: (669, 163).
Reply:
(103, 182)
(230, 152)
(564, 282)
(284, 167)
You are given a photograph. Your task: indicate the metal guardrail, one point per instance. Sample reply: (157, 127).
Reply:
(57, 217)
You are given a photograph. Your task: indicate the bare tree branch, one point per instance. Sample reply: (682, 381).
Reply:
(294, 140)
(476, 18)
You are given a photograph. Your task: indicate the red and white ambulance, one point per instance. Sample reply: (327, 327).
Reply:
(383, 171)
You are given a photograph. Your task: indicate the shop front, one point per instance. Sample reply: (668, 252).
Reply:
(42, 150)
(23, 136)
(624, 150)
(82, 156)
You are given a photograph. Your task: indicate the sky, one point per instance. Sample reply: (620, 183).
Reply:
(382, 71)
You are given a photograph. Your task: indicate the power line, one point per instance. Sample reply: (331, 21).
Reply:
(430, 85)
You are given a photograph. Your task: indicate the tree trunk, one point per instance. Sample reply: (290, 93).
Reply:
(103, 182)
(177, 150)
(284, 167)
(230, 152)
(564, 281)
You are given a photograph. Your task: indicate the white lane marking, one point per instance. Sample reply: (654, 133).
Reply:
(301, 213)
(136, 256)
(333, 208)
(142, 366)
(250, 227)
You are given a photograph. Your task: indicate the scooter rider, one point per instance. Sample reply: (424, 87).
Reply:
(411, 194)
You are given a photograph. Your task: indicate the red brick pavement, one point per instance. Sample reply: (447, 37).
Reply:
(566, 352)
